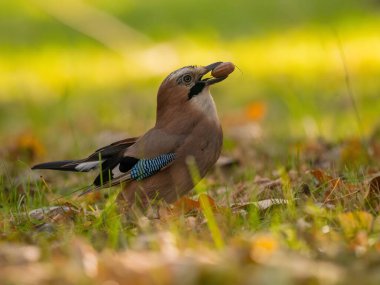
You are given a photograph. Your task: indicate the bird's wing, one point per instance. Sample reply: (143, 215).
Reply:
(148, 155)
(93, 161)
(129, 168)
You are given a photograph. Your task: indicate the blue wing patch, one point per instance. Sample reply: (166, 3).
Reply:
(147, 167)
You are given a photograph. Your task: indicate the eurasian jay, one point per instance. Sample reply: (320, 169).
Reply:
(155, 166)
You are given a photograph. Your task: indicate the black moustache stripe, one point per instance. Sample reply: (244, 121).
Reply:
(196, 89)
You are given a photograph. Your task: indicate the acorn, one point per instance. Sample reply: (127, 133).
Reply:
(223, 69)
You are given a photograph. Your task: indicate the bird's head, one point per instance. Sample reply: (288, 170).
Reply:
(183, 87)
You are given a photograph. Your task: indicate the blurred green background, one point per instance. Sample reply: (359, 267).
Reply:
(70, 70)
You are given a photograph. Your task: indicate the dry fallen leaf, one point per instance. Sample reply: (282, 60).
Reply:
(187, 205)
(374, 185)
(54, 213)
(373, 195)
(261, 205)
(336, 187)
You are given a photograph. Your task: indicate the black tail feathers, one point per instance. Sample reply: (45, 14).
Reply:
(63, 165)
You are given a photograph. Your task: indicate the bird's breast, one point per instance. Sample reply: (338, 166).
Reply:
(204, 103)
(204, 145)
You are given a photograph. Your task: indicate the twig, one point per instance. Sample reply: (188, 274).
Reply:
(350, 91)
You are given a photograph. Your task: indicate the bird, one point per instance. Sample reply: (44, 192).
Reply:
(155, 166)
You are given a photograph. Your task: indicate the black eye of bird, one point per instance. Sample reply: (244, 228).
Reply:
(187, 78)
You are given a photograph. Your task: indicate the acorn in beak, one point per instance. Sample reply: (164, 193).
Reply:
(219, 71)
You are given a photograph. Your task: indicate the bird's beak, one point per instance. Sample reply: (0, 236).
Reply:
(210, 68)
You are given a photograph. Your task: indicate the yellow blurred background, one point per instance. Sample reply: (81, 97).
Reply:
(97, 64)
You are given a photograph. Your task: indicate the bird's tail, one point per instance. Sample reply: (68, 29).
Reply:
(68, 165)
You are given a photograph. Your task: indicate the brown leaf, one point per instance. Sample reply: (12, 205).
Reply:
(336, 187)
(373, 194)
(374, 185)
(321, 176)
(187, 205)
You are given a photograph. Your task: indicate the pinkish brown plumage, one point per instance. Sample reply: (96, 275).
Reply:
(155, 165)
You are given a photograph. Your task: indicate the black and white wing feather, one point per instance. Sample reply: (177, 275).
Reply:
(114, 167)
(130, 168)
(92, 162)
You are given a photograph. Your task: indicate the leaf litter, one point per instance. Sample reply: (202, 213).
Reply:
(309, 221)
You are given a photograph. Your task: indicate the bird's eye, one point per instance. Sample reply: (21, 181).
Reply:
(187, 78)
